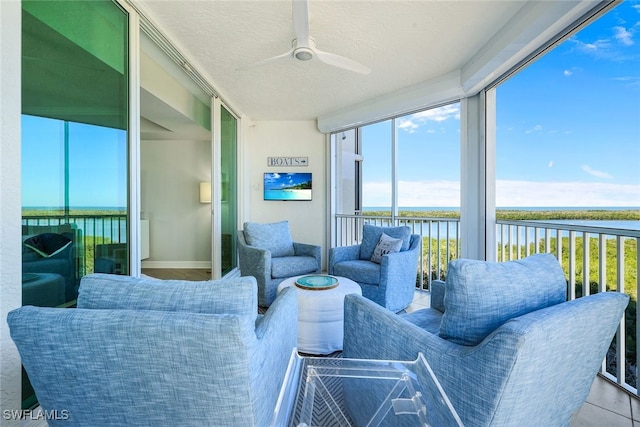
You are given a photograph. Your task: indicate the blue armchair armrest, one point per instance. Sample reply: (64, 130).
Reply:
(254, 261)
(342, 253)
(305, 249)
(277, 334)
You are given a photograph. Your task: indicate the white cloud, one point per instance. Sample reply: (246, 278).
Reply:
(413, 193)
(557, 194)
(508, 194)
(551, 164)
(440, 114)
(596, 173)
(595, 47)
(611, 48)
(536, 128)
(408, 125)
(623, 36)
(567, 73)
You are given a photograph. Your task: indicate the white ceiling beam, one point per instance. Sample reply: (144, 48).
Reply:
(412, 98)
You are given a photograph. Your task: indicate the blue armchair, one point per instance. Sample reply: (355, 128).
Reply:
(391, 279)
(506, 349)
(268, 253)
(147, 352)
(61, 262)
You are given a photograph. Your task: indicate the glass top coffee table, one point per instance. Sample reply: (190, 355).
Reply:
(323, 391)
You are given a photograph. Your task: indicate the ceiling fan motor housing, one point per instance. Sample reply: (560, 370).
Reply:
(303, 53)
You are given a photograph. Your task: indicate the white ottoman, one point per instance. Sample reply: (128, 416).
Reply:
(321, 315)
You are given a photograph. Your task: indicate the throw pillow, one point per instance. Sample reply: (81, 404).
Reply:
(274, 237)
(371, 235)
(386, 245)
(47, 244)
(480, 295)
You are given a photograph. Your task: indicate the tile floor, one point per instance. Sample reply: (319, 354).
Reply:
(607, 404)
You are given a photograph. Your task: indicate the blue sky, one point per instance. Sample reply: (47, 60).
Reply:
(568, 130)
(276, 181)
(97, 156)
(568, 134)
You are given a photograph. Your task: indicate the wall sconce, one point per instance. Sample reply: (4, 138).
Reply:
(205, 192)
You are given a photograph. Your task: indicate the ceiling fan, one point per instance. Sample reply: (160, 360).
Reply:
(303, 46)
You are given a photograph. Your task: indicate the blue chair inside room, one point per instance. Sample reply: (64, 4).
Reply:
(385, 264)
(48, 254)
(504, 343)
(268, 253)
(148, 352)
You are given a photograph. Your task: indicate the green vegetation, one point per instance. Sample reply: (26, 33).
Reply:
(85, 212)
(591, 214)
(525, 215)
(301, 186)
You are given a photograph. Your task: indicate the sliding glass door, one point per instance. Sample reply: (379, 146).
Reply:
(74, 148)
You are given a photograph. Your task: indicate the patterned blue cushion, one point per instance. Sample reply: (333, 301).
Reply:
(292, 266)
(480, 296)
(371, 235)
(274, 237)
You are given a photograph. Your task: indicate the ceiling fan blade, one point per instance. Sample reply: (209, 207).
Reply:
(301, 21)
(341, 62)
(266, 61)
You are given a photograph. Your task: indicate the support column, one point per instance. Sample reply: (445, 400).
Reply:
(477, 176)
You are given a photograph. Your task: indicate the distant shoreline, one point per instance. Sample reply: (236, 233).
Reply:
(531, 213)
(544, 213)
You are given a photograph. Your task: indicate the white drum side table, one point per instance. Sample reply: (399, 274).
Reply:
(321, 315)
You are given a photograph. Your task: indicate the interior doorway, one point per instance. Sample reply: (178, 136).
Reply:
(175, 157)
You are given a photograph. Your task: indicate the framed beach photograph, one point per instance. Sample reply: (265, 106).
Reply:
(287, 186)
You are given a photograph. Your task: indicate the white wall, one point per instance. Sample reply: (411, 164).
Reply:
(179, 225)
(10, 202)
(286, 139)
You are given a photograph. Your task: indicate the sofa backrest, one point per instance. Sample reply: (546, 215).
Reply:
(136, 367)
(236, 296)
(480, 296)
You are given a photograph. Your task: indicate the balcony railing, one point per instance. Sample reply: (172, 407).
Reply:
(594, 259)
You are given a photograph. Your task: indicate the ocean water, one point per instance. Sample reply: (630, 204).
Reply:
(287, 194)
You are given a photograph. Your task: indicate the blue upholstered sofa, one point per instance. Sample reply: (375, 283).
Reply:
(389, 280)
(146, 352)
(503, 342)
(268, 253)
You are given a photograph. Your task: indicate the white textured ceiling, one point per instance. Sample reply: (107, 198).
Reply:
(404, 43)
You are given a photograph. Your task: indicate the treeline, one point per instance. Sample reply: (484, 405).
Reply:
(55, 213)
(302, 186)
(525, 215)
